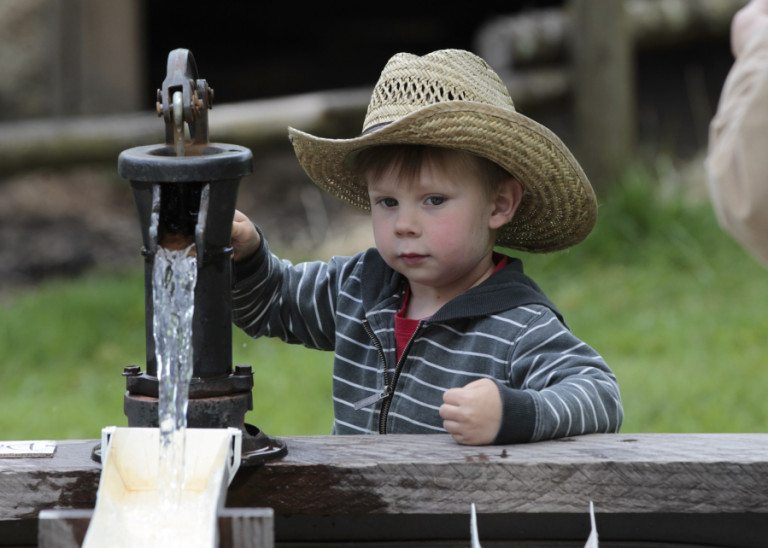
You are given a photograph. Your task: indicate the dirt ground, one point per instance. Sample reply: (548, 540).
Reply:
(62, 224)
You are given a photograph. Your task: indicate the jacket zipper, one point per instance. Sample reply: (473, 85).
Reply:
(370, 400)
(390, 390)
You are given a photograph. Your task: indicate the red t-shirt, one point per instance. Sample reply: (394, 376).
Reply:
(405, 327)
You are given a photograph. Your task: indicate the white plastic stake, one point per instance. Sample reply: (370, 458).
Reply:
(475, 537)
(592, 540)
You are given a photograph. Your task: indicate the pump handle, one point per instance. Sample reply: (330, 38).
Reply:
(196, 97)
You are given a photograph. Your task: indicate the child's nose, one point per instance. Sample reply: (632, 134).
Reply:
(406, 223)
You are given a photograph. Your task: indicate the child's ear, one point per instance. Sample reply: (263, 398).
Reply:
(506, 202)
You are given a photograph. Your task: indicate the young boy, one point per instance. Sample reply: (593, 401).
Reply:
(433, 331)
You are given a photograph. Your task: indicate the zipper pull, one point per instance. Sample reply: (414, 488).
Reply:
(370, 400)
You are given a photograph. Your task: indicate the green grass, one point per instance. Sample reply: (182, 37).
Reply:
(673, 304)
(63, 348)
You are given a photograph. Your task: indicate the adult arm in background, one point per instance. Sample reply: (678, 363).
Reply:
(737, 161)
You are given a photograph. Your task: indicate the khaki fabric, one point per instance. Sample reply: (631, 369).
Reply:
(737, 162)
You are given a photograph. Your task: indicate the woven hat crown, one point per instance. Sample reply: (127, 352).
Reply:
(409, 83)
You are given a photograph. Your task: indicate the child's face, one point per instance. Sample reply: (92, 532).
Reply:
(437, 230)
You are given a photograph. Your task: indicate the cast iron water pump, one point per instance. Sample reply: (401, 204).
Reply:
(185, 191)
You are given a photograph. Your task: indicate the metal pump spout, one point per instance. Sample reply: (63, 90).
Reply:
(185, 192)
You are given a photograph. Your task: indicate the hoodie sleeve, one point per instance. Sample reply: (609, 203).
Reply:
(297, 303)
(559, 386)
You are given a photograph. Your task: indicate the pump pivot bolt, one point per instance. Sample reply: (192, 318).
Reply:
(243, 370)
(159, 102)
(131, 371)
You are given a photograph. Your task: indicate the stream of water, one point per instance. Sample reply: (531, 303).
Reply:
(174, 279)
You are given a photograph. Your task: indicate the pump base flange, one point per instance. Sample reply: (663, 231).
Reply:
(259, 448)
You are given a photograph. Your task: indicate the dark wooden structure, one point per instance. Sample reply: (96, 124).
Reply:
(603, 74)
(690, 489)
(237, 528)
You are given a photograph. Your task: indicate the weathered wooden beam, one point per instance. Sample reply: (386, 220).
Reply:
(393, 474)
(54, 143)
(67, 141)
(658, 24)
(514, 41)
(399, 474)
(541, 36)
(696, 489)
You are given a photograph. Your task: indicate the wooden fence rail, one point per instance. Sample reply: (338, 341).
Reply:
(693, 488)
(542, 36)
(506, 43)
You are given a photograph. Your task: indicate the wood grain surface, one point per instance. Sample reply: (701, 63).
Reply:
(401, 474)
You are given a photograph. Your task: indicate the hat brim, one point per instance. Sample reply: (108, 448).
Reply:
(558, 208)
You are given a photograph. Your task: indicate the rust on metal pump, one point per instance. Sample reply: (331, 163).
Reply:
(184, 98)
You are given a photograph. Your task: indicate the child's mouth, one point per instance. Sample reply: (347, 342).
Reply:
(412, 258)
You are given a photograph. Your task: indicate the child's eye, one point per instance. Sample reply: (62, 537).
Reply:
(435, 200)
(387, 202)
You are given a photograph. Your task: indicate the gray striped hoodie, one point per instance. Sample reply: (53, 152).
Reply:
(552, 384)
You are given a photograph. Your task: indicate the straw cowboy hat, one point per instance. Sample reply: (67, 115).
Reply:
(453, 99)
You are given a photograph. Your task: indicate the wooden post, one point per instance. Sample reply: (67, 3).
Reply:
(96, 57)
(603, 88)
(237, 527)
(246, 528)
(62, 528)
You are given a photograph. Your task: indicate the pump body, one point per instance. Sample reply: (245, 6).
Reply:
(185, 192)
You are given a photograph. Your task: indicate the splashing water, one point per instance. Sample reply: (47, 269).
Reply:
(173, 285)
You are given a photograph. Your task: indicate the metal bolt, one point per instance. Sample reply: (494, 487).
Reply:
(159, 103)
(243, 370)
(131, 371)
(197, 103)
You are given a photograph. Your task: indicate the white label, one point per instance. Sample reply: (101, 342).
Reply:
(21, 449)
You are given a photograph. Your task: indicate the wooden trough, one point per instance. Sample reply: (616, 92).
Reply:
(399, 490)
